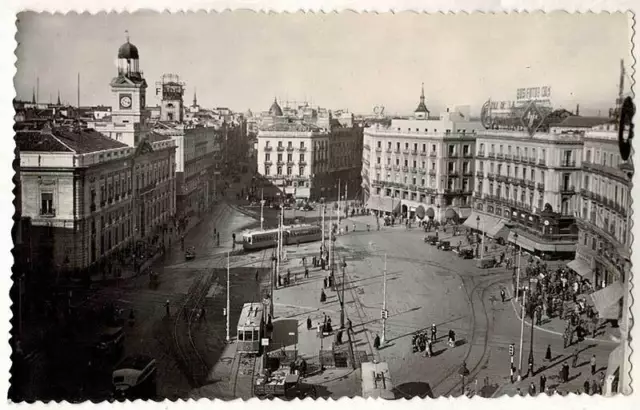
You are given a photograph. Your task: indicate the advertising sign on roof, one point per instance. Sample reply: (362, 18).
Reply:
(534, 94)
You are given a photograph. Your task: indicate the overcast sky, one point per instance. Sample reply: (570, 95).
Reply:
(243, 60)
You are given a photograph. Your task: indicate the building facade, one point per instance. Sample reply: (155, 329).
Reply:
(304, 152)
(529, 185)
(422, 166)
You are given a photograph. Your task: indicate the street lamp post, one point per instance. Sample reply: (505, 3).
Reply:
(384, 301)
(262, 210)
(438, 207)
(228, 294)
(524, 300)
(344, 266)
(533, 319)
(517, 268)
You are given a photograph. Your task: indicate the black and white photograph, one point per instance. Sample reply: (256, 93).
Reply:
(245, 205)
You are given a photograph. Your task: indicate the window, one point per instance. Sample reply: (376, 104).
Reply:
(481, 148)
(415, 164)
(46, 203)
(406, 163)
(493, 148)
(586, 184)
(451, 167)
(279, 169)
(406, 145)
(301, 173)
(533, 174)
(289, 144)
(378, 160)
(465, 167)
(379, 144)
(501, 148)
(433, 148)
(301, 144)
(424, 147)
(452, 150)
(465, 149)
(509, 170)
(279, 143)
(415, 146)
(301, 157)
(481, 166)
(279, 157)
(267, 157)
(398, 162)
(389, 145)
(398, 146)
(289, 157)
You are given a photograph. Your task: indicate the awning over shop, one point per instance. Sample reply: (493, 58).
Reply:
(581, 268)
(522, 241)
(431, 213)
(420, 212)
(606, 300)
(450, 213)
(384, 204)
(492, 225)
(464, 212)
(302, 192)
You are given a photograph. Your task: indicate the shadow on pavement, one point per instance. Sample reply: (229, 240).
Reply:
(413, 389)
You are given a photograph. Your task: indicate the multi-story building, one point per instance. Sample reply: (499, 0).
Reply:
(77, 192)
(304, 152)
(421, 166)
(530, 185)
(198, 165)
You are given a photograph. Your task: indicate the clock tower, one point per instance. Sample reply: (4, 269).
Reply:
(128, 89)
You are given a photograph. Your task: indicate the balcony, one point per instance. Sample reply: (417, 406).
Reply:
(388, 167)
(491, 155)
(508, 157)
(290, 163)
(432, 172)
(268, 162)
(414, 152)
(467, 154)
(305, 163)
(433, 154)
(280, 148)
(453, 155)
(530, 184)
(377, 182)
(290, 148)
(542, 161)
(423, 171)
(406, 151)
(280, 162)
(405, 169)
(413, 187)
(540, 186)
(467, 173)
(480, 154)
(501, 178)
(48, 213)
(378, 166)
(479, 174)
(397, 151)
(568, 189)
(396, 168)
(414, 170)
(491, 176)
(423, 153)
(378, 149)
(500, 156)
(389, 150)
(452, 173)
(568, 164)
(477, 195)
(268, 148)
(303, 149)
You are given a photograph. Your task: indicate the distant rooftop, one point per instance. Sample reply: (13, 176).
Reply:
(575, 121)
(65, 139)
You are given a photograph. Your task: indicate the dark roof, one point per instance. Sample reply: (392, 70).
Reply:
(575, 121)
(65, 139)
(422, 108)
(275, 109)
(128, 51)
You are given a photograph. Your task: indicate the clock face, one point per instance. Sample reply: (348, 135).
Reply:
(125, 101)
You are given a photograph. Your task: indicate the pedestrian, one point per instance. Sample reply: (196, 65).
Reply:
(532, 389)
(543, 383)
(339, 337)
(593, 364)
(376, 342)
(303, 368)
(530, 367)
(323, 296)
(433, 332)
(324, 281)
(547, 356)
(309, 323)
(586, 386)
(452, 338)
(512, 374)
(503, 295)
(349, 325)
(257, 274)
(594, 387)
(292, 367)
(306, 273)
(574, 362)
(166, 305)
(565, 372)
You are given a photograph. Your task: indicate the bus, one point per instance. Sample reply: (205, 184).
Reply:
(376, 381)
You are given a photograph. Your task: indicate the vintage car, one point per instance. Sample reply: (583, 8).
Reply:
(431, 239)
(466, 253)
(444, 246)
(485, 263)
(190, 254)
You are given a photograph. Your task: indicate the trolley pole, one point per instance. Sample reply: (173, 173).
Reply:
(524, 300)
(384, 301)
(228, 298)
(322, 208)
(344, 264)
(339, 203)
(262, 210)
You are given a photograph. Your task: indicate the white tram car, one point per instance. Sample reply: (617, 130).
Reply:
(291, 235)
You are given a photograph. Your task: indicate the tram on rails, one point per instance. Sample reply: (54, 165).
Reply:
(250, 328)
(292, 235)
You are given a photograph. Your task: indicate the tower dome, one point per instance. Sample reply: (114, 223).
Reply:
(128, 51)
(275, 109)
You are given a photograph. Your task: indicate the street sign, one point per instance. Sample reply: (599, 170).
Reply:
(292, 334)
(512, 349)
(265, 342)
(384, 314)
(224, 311)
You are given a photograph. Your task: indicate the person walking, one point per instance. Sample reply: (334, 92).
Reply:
(452, 338)
(309, 323)
(547, 356)
(543, 383)
(576, 353)
(503, 295)
(565, 372)
(593, 364)
(433, 332)
(586, 386)
(257, 275)
(306, 273)
(376, 342)
(532, 389)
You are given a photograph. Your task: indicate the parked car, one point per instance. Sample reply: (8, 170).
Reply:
(444, 246)
(466, 253)
(190, 253)
(431, 240)
(486, 263)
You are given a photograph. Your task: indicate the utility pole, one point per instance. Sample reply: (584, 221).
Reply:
(533, 319)
(278, 255)
(322, 208)
(262, 210)
(339, 203)
(384, 301)
(344, 266)
(346, 194)
(228, 293)
(524, 300)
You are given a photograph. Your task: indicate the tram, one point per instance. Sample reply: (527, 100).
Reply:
(376, 381)
(250, 328)
(292, 235)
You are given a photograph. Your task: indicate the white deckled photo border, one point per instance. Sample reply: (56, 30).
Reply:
(8, 71)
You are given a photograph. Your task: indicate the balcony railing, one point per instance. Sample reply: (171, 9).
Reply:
(396, 168)
(500, 156)
(568, 189)
(290, 149)
(491, 155)
(540, 186)
(305, 148)
(405, 169)
(467, 154)
(48, 213)
(508, 157)
(423, 171)
(414, 152)
(378, 166)
(406, 151)
(453, 155)
(397, 151)
(467, 173)
(423, 153)
(414, 170)
(389, 150)
(280, 148)
(568, 164)
(388, 167)
(501, 178)
(378, 149)
(480, 154)
(268, 148)
(433, 154)
(491, 176)
(542, 161)
(479, 174)
(453, 173)
(432, 172)
(531, 184)
(268, 162)
(305, 162)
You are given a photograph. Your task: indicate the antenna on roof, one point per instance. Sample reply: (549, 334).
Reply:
(126, 34)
